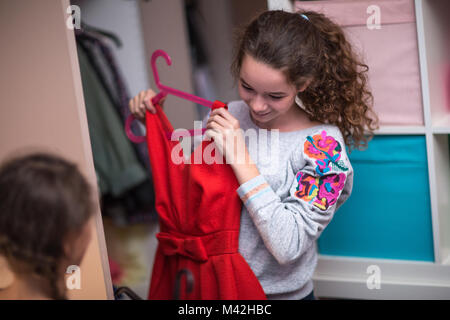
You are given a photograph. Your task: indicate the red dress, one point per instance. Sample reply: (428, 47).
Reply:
(199, 216)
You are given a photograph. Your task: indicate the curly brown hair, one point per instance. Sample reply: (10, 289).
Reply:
(313, 49)
(43, 199)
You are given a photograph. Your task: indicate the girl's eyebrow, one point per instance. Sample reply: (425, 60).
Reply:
(275, 93)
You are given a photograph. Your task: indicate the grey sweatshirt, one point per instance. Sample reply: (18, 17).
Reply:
(305, 176)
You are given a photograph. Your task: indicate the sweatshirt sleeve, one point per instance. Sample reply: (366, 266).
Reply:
(289, 225)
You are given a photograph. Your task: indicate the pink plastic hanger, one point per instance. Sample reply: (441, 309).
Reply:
(164, 90)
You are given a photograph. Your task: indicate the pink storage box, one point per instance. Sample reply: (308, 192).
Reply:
(391, 52)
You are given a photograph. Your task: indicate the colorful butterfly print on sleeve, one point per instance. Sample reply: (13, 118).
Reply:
(321, 191)
(325, 150)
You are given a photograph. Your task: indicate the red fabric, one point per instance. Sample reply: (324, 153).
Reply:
(199, 215)
(116, 271)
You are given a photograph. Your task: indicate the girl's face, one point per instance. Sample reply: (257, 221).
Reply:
(267, 93)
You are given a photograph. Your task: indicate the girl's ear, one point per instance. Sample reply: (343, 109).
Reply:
(305, 85)
(7, 277)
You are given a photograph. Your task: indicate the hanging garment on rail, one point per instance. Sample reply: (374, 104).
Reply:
(124, 180)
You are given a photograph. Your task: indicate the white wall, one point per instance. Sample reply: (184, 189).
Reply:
(285, 5)
(122, 18)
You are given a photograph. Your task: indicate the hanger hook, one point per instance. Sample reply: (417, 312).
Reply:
(155, 55)
(164, 90)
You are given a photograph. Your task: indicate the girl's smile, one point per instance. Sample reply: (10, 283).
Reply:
(261, 115)
(268, 94)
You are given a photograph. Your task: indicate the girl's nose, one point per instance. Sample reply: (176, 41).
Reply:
(258, 105)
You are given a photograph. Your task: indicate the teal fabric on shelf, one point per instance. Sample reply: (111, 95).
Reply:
(388, 215)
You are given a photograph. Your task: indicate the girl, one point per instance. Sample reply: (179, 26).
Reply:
(45, 207)
(300, 81)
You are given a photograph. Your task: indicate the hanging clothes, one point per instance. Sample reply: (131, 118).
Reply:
(115, 163)
(102, 60)
(199, 214)
(125, 185)
(134, 202)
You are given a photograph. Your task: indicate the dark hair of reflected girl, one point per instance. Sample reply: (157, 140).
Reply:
(43, 199)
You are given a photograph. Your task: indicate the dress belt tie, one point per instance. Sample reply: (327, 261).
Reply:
(199, 248)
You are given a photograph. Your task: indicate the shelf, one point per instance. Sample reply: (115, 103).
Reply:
(440, 130)
(346, 277)
(400, 130)
(442, 125)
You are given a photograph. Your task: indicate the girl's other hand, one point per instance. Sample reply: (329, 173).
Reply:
(142, 102)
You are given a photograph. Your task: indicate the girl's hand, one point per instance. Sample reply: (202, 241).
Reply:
(141, 102)
(228, 135)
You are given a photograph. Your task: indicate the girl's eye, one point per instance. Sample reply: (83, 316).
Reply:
(250, 89)
(276, 98)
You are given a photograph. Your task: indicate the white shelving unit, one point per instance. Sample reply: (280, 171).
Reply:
(434, 53)
(403, 130)
(343, 277)
(346, 277)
